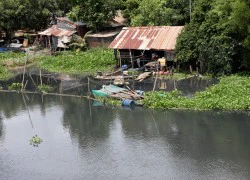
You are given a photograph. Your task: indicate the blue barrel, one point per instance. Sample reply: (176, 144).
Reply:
(127, 102)
(141, 93)
(124, 67)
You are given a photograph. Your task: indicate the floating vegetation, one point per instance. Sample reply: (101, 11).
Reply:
(90, 61)
(4, 73)
(16, 86)
(232, 93)
(43, 88)
(109, 101)
(35, 141)
(11, 55)
(176, 76)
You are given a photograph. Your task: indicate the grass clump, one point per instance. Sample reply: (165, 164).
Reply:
(91, 61)
(232, 93)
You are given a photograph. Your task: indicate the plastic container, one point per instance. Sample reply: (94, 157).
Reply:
(127, 102)
(141, 93)
(124, 67)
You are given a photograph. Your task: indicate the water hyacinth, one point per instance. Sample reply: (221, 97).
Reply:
(232, 93)
(35, 141)
(91, 61)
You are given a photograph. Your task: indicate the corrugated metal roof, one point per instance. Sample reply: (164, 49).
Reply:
(55, 31)
(145, 38)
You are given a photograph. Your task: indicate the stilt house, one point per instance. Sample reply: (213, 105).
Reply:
(133, 42)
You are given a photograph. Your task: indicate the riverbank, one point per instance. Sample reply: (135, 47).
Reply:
(231, 93)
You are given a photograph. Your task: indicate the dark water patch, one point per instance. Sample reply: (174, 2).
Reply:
(188, 86)
(81, 141)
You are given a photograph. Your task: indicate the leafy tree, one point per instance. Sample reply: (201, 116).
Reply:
(96, 13)
(29, 14)
(217, 36)
(157, 12)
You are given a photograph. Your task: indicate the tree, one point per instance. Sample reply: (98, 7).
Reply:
(157, 12)
(217, 36)
(29, 14)
(96, 13)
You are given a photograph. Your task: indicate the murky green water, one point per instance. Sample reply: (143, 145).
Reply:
(81, 141)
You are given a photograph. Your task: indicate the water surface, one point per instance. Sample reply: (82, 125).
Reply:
(82, 141)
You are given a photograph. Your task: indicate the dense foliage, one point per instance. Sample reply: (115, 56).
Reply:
(29, 14)
(232, 93)
(90, 61)
(156, 12)
(96, 13)
(217, 38)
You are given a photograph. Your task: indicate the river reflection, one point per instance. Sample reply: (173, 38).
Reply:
(82, 141)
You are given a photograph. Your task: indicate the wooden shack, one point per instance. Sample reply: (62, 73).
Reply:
(133, 42)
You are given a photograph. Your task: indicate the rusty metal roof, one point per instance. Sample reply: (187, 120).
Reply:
(145, 38)
(55, 31)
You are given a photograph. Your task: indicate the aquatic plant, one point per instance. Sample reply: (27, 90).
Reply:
(15, 86)
(11, 55)
(4, 73)
(176, 76)
(35, 141)
(232, 93)
(44, 88)
(91, 61)
(109, 101)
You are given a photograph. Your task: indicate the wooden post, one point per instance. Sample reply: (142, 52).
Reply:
(88, 86)
(24, 69)
(50, 48)
(41, 80)
(131, 58)
(120, 59)
(155, 81)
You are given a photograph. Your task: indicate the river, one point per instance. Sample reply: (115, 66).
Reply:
(82, 140)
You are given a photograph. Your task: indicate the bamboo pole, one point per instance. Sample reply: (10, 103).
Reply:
(24, 69)
(41, 81)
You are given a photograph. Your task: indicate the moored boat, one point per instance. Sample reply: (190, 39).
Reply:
(116, 93)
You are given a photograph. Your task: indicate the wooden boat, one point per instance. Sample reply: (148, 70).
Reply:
(112, 77)
(116, 92)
